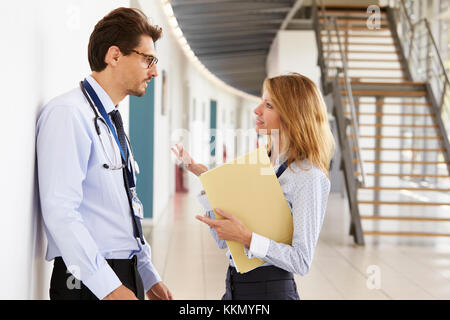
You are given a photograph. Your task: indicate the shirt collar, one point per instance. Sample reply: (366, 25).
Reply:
(280, 160)
(101, 93)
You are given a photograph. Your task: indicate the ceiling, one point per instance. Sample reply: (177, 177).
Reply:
(232, 37)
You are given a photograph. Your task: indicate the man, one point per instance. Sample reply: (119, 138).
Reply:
(89, 204)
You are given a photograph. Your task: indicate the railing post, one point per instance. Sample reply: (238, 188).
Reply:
(444, 92)
(428, 60)
(411, 41)
(351, 103)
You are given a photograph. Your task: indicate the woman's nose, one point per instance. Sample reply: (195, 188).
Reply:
(258, 109)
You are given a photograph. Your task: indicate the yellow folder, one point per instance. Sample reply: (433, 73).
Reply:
(249, 189)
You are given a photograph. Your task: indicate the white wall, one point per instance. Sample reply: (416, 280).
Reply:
(185, 83)
(43, 54)
(294, 51)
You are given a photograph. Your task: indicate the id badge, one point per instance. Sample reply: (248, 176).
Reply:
(138, 208)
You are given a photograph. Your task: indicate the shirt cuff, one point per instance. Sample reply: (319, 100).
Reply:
(149, 276)
(203, 199)
(259, 246)
(103, 281)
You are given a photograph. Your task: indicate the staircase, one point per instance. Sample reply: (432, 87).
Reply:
(390, 119)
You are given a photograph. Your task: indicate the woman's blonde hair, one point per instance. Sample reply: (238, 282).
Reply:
(304, 128)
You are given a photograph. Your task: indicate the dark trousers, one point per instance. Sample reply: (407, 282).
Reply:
(63, 286)
(263, 283)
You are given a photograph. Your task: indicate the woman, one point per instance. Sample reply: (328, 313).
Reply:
(293, 107)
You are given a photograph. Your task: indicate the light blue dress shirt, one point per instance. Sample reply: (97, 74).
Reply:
(306, 190)
(85, 207)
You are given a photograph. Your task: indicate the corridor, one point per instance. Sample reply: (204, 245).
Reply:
(397, 268)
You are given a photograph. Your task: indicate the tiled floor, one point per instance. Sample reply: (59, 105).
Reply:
(388, 268)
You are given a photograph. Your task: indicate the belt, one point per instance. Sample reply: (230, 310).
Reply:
(113, 263)
(267, 273)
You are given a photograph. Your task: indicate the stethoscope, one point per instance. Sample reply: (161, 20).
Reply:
(117, 159)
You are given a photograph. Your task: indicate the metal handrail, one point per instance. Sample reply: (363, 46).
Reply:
(440, 96)
(351, 103)
(329, 23)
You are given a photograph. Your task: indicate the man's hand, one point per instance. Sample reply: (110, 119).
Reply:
(159, 292)
(121, 293)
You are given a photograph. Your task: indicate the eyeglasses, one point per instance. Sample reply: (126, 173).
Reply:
(149, 59)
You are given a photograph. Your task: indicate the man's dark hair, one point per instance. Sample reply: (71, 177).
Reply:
(122, 27)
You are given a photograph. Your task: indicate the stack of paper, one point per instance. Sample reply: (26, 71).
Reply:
(249, 189)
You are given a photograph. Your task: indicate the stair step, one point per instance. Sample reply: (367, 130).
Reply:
(387, 114)
(361, 43)
(405, 218)
(405, 188)
(400, 175)
(361, 28)
(348, 7)
(357, 79)
(368, 68)
(380, 125)
(345, 13)
(347, 35)
(354, 20)
(405, 234)
(402, 149)
(405, 83)
(355, 161)
(365, 60)
(387, 93)
(389, 103)
(397, 137)
(362, 51)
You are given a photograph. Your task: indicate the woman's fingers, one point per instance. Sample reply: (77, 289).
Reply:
(210, 222)
(175, 152)
(224, 214)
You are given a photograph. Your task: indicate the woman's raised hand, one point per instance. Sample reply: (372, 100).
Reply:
(185, 158)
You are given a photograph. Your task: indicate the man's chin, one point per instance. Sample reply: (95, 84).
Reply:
(137, 93)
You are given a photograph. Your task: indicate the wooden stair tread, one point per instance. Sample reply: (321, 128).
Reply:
(390, 103)
(397, 137)
(361, 28)
(365, 60)
(387, 93)
(390, 114)
(344, 12)
(377, 174)
(405, 218)
(403, 149)
(362, 51)
(403, 83)
(355, 161)
(405, 188)
(331, 7)
(406, 234)
(382, 36)
(368, 68)
(404, 203)
(397, 125)
(361, 43)
(357, 79)
(352, 19)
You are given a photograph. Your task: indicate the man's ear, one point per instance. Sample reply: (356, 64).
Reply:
(113, 55)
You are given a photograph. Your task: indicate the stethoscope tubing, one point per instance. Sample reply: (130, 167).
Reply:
(97, 129)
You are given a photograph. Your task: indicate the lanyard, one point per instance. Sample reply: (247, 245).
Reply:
(281, 169)
(105, 116)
